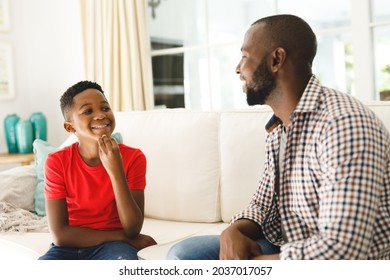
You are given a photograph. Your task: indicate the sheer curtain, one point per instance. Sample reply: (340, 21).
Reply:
(116, 48)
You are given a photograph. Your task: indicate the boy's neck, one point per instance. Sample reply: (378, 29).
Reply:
(89, 156)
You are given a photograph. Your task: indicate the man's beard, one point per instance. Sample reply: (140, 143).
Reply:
(262, 84)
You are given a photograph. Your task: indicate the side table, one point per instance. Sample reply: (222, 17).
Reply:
(23, 159)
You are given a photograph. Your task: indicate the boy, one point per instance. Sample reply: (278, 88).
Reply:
(94, 188)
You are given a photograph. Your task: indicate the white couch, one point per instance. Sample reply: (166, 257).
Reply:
(203, 167)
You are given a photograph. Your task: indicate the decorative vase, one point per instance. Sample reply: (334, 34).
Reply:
(39, 126)
(24, 134)
(10, 132)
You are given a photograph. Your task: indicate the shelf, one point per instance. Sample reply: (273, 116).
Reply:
(23, 159)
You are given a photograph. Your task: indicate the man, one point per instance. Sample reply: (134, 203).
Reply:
(325, 191)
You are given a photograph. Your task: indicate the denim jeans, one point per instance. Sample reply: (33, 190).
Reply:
(115, 250)
(207, 248)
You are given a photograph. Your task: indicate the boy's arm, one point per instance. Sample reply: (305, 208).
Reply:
(72, 236)
(130, 204)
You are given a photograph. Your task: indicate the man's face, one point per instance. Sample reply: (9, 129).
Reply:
(258, 80)
(90, 116)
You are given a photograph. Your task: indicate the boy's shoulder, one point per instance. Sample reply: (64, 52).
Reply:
(131, 153)
(129, 149)
(63, 151)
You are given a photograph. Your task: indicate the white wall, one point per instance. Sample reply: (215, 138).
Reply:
(46, 41)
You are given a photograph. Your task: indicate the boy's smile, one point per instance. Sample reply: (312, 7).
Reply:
(103, 126)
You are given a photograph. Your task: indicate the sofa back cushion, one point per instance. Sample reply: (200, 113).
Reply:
(181, 149)
(242, 135)
(381, 109)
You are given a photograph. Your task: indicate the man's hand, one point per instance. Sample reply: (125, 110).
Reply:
(236, 246)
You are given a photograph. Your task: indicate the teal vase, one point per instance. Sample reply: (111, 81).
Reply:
(10, 122)
(24, 134)
(39, 126)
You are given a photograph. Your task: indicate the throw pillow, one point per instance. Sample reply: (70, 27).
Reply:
(17, 186)
(41, 150)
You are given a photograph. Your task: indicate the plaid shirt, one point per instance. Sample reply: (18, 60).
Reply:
(333, 199)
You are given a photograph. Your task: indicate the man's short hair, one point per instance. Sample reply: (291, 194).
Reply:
(293, 34)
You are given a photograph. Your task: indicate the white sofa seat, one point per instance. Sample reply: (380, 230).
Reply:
(29, 245)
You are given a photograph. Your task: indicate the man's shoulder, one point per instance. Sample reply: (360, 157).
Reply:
(339, 104)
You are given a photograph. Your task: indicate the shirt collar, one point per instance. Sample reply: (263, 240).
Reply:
(308, 103)
(311, 96)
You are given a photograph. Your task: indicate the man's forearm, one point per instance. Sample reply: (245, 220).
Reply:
(248, 228)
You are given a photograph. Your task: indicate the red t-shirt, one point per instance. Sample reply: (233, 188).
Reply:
(88, 190)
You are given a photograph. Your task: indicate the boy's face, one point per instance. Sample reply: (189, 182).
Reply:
(90, 116)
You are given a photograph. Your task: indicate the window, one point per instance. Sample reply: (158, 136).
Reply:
(205, 36)
(380, 14)
(381, 38)
(168, 77)
(333, 63)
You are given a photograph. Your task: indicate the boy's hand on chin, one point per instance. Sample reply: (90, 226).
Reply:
(109, 153)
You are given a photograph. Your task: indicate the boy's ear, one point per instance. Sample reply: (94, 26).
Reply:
(68, 127)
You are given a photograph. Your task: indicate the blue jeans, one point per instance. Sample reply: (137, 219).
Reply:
(115, 250)
(207, 248)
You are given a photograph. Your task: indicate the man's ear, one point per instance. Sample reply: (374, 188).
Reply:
(278, 58)
(69, 127)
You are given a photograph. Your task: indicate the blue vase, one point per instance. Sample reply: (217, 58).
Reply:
(39, 126)
(10, 122)
(24, 134)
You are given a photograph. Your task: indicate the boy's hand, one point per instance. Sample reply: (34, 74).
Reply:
(109, 154)
(142, 241)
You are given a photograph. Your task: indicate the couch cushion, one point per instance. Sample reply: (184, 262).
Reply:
(31, 245)
(41, 150)
(181, 148)
(381, 109)
(17, 186)
(167, 233)
(242, 135)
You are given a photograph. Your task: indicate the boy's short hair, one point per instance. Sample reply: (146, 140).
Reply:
(66, 99)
